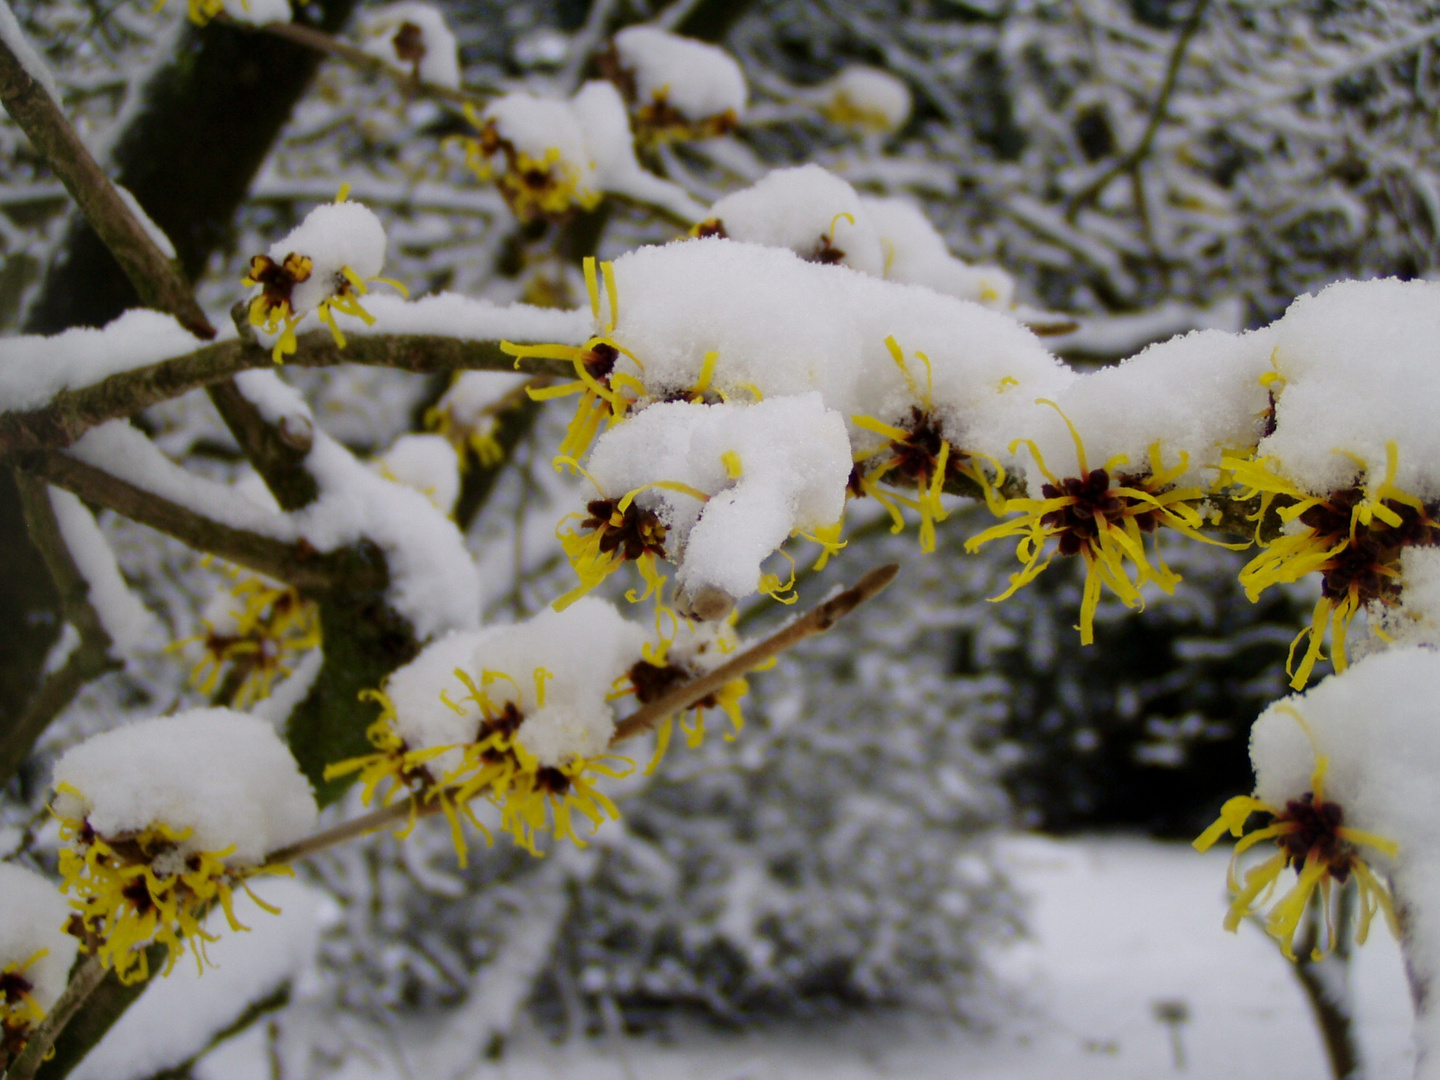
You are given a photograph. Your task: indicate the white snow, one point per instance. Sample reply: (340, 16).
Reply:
(259, 12)
(225, 775)
(336, 237)
(440, 62)
(423, 463)
(1361, 364)
(32, 918)
(33, 63)
(156, 234)
(867, 97)
(769, 470)
(129, 623)
(177, 1016)
(808, 210)
(451, 315)
(584, 648)
(34, 368)
(540, 128)
(696, 79)
(916, 253)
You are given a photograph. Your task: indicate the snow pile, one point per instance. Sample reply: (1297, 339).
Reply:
(572, 658)
(224, 776)
(1359, 362)
(866, 98)
(414, 36)
(449, 314)
(916, 253)
(34, 369)
(696, 80)
(33, 919)
(729, 482)
(810, 211)
(254, 12)
(1197, 396)
(423, 463)
(342, 240)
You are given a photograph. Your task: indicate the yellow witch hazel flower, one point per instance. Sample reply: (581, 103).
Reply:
(35, 954)
(324, 265)
(690, 650)
(517, 716)
(1104, 521)
(1312, 838)
(253, 632)
(918, 451)
(602, 389)
(1352, 537)
(164, 819)
(547, 170)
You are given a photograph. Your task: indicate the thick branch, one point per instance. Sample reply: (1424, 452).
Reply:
(298, 563)
(154, 277)
(73, 412)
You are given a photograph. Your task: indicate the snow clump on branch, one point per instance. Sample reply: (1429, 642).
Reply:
(35, 954)
(414, 36)
(679, 88)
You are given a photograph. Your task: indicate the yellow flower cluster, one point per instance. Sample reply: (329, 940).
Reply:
(273, 625)
(19, 1011)
(142, 888)
(545, 187)
(494, 764)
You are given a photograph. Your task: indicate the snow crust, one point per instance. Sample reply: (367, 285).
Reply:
(1361, 364)
(440, 63)
(584, 648)
(129, 623)
(32, 918)
(222, 774)
(793, 460)
(34, 368)
(698, 80)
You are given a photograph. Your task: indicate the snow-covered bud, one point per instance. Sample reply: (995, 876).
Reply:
(679, 88)
(866, 99)
(534, 151)
(414, 36)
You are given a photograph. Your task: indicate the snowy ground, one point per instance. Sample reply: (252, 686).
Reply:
(1120, 927)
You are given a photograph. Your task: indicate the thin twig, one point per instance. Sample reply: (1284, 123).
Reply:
(297, 563)
(361, 60)
(1130, 162)
(155, 278)
(70, 413)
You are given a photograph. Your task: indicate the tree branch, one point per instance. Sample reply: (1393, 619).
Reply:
(73, 412)
(155, 279)
(298, 564)
(88, 660)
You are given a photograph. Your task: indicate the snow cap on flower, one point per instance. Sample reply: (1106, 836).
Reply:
(775, 324)
(414, 35)
(334, 237)
(730, 482)
(547, 167)
(1415, 620)
(809, 210)
(224, 776)
(573, 657)
(866, 98)
(32, 921)
(1359, 366)
(916, 253)
(1196, 395)
(697, 80)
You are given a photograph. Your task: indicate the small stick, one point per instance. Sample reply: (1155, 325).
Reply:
(77, 991)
